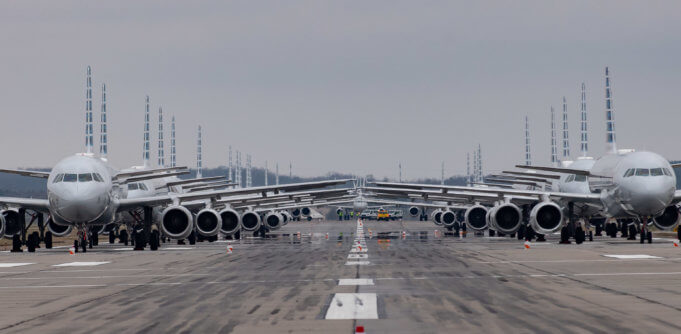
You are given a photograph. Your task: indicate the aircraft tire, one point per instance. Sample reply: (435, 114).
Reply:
(192, 238)
(154, 242)
(30, 243)
(123, 237)
(650, 237)
(112, 237)
(48, 240)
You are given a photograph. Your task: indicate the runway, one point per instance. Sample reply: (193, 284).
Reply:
(417, 282)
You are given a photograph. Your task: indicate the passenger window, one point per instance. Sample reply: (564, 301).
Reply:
(580, 178)
(642, 172)
(85, 177)
(656, 172)
(132, 186)
(70, 177)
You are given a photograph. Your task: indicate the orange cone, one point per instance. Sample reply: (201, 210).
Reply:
(229, 249)
(72, 251)
(527, 245)
(676, 243)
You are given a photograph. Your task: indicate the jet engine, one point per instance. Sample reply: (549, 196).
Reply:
(177, 222)
(414, 211)
(274, 220)
(250, 221)
(295, 213)
(208, 222)
(448, 218)
(506, 218)
(231, 221)
(287, 217)
(475, 217)
(338, 211)
(546, 217)
(305, 211)
(668, 219)
(2, 225)
(12, 222)
(436, 216)
(58, 230)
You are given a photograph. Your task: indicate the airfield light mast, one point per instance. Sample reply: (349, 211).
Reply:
(468, 169)
(276, 175)
(88, 111)
(479, 163)
(103, 140)
(266, 172)
(442, 172)
(230, 174)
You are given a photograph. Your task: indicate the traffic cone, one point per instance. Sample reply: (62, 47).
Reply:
(298, 234)
(72, 251)
(404, 234)
(229, 249)
(359, 330)
(527, 245)
(327, 236)
(676, 243)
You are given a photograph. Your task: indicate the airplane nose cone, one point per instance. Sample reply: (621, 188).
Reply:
(80, 208)
(651, 199)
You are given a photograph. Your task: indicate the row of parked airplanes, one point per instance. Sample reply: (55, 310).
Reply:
(84, 191)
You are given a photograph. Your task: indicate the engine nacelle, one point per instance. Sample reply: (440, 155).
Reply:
(295, 213)
(339, 211)
(436, 216)
(448, 218)
(506, 218)
(231, 222)
(12, 223)
(668, 219)
(414, 211)
(546, 217)
(274, 220)
(2, 225)
(250, 221)
(305, 211)
(58, 230)
(287, 217)
(476, 217)
(208, 222)
(177, 222)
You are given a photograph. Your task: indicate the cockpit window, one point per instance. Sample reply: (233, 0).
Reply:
(143, 186)
(70, 177)
(570, 178)
(642, 172)
(85, 177)
(133, 186)
(97, 177)
(667, 172)
(629, 172)
(58, 178)
(580, 178)
(656, 172)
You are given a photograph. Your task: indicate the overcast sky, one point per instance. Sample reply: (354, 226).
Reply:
(349, 86)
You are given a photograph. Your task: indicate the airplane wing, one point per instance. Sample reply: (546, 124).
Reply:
(29, 173)
(480, 192)
(145, 177)
(128, 174)
(215, 195)
(301, 205)
(557, 170)
(26, 203)
(420, 204)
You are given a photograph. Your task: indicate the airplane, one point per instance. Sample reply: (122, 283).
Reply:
(84, 190)
(622, 184)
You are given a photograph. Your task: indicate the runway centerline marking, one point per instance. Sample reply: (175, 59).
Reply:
(80, 264)
(353, 306)
(358, 256)
(632, 256)
(356, 263)
(355, 281)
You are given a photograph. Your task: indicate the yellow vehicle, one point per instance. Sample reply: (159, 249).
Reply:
(383, 215)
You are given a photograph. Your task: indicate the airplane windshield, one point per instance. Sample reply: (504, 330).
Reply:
(70, 177)
(58, 178)
(580, 178)
(133, 186)
(667, 172)
(97, 177)
(656, 172)
(642, 172)
(85, 177)
(629, 172)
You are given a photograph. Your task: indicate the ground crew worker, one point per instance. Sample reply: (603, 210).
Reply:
(340, 215)
(352, 215)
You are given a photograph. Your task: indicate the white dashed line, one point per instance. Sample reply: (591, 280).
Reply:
(353, 306)
(80, 264)
(632, 256)
(358, 256)
(16, 264)
(356, 263)
(355, 281)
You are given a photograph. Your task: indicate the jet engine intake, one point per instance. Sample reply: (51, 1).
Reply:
(436, 216)
(448, 218)
(231, 222)
(250, 221)
(668, 219)
(274, 220)
(476, 217)
(414, 211)
(12, 222)
(208, 222)
(58, 230)
(177, 222)
(546, 218)
(506, 218)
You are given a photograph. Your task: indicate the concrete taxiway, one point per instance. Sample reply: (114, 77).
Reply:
(413, 283)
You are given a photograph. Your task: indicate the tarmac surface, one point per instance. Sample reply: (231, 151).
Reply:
(420, 282)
